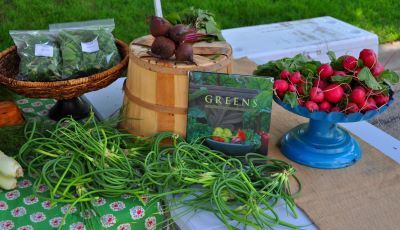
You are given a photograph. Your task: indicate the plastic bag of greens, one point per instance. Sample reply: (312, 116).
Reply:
(86, 47)
(39, 54)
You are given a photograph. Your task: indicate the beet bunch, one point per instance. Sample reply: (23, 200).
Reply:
(170, 40)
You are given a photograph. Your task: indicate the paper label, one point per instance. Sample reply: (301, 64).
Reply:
(90, 47)
(42, 50)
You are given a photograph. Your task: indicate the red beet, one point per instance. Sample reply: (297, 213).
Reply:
(178, 32)
(295, 77)
(316, 94)
(292, 88)
(333, 93)
(381, 99)
(351, 108)
(184, 52)
(349, 63)
(159, 26)
(357, 95)
(311, 106)
(320, 83)
(335, 109)
(325, 106)
(377, 69)
(281, 85)
(284, 74)
(368, 57)
(339, 73)
(325, 71)
(163, 47)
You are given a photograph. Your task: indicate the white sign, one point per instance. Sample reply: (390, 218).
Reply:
(90, 47)
(42, 50)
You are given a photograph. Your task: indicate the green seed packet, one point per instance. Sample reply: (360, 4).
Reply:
(39, 55)
(231, 112)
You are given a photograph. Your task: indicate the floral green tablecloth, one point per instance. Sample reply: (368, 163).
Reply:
(21, 209)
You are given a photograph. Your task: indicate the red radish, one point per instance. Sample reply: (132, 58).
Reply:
(292, 88)
(381, 99)
(300, 101)
(320, 83)
(360, 87)
(284, 74)
(349, 63)
(295, 77)
(352, 108)
(280, 94)
(316, 94)
(300, 89)
(335, 109)
(358, 95)
(377, 69)
(339, 73)
(281, 85)
(325, 71)
(325, 106)
(369, 104)
(368, 57)
(346, 87)
(357, 71)
(311, 106)
(334, 93)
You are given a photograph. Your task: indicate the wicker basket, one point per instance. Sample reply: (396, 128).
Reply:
(60, 90)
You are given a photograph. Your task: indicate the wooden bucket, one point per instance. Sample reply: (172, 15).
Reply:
(156, 91)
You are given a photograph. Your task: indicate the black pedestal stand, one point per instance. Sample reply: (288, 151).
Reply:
(74, 107)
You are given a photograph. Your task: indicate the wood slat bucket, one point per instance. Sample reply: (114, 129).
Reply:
(156, 91)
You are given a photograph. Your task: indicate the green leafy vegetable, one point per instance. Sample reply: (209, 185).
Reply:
(389, 76)
(200, 19)
(291, 98)
(76, 62)
(34, 66)
(341, 79)
(273, 68)
(366, 76)
(331, 55)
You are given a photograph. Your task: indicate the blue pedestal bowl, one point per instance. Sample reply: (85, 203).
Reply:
(321, 143)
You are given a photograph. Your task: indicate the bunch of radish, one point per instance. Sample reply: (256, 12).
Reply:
(170, 40)
(347, 84)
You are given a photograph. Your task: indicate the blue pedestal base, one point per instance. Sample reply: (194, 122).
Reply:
(321, 144)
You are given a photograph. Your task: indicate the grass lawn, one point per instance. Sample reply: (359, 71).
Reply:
(379, 16)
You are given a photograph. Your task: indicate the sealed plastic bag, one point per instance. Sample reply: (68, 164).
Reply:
(86, 47)
(39, 54)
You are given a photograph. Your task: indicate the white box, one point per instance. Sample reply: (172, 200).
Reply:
(313, 37)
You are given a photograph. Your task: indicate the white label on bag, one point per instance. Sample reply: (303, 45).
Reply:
(90, 47)
(42, 50)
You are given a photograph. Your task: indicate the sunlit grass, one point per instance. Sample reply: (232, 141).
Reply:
(379, 16)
